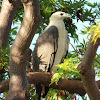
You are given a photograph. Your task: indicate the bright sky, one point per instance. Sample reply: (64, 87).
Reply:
(92, 1)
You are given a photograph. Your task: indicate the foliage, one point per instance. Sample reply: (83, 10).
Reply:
(4, 57)
(67, 70)
(54, 94)
(32, 94)
(0, 4)
(12, 34)
(4, 62)
(96, 30)
(96, 65)
(19, 15)
(77, 9)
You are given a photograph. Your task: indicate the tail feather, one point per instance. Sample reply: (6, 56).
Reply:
(38, 91)
(46, 91)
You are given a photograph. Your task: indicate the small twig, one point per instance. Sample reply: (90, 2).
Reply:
(44, 21)
(98, 74)
(74, 49)
(89, 19)
(80, 15)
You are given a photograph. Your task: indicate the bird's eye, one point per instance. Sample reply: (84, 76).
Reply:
(61, 14)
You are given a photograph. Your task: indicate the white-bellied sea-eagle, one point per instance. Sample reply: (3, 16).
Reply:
(51, 47)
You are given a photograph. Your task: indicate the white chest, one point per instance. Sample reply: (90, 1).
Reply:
(62, 44)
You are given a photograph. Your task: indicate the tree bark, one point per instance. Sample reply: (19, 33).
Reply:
(19, 52)
(72, 86)
(6, 17)
(87, 72)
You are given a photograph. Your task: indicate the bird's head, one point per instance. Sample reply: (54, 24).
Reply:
(59, 16)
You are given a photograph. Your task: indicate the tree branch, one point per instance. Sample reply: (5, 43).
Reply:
(87, 72)
(72, 86)
(6, 17)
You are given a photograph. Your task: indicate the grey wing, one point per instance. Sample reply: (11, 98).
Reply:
(45, 50)
(66, 44)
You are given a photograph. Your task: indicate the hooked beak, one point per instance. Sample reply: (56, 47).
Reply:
(67, 15)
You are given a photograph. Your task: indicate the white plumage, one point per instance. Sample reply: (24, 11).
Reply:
(51, 46)
(57, 20)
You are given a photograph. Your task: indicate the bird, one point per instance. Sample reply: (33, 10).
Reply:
(51, 47)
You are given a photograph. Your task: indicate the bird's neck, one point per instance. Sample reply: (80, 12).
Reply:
(56, 22)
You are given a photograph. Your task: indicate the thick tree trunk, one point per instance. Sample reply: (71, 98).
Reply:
(6, 17)
(88, 73)
(20, 50)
